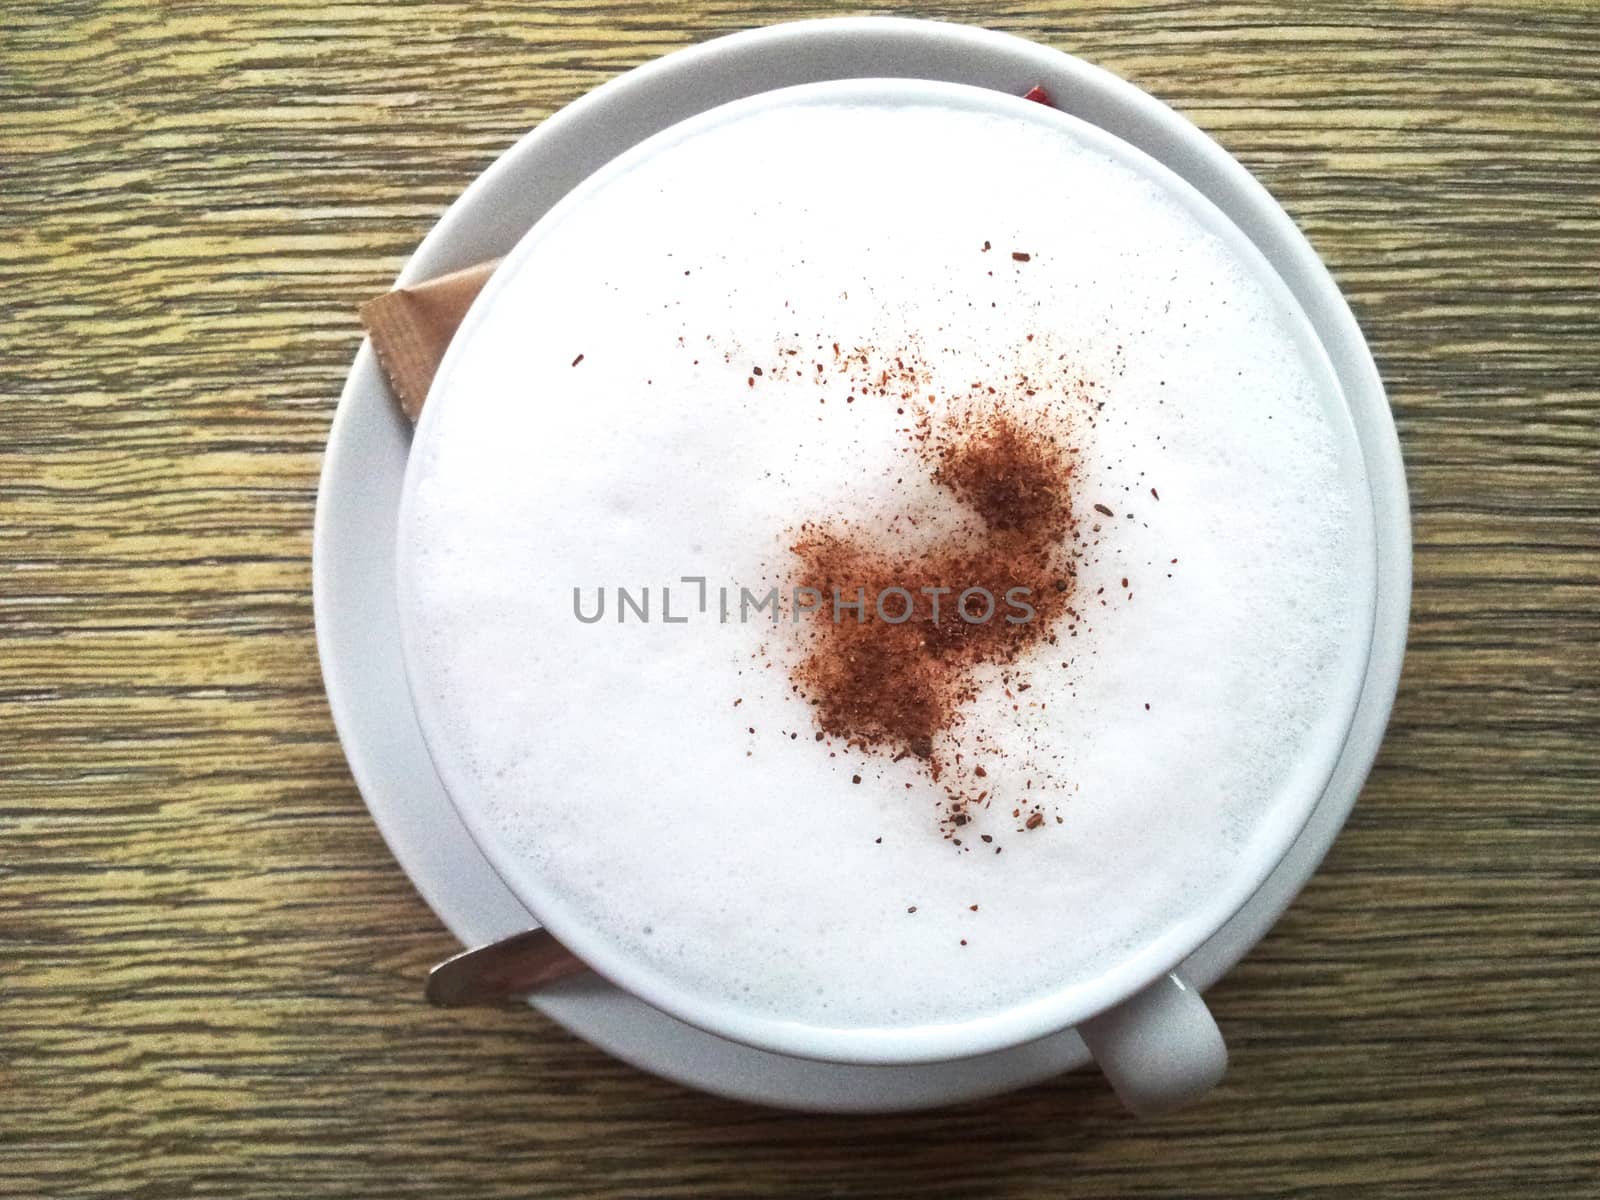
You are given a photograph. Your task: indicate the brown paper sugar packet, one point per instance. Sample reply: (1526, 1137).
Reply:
(411, 328)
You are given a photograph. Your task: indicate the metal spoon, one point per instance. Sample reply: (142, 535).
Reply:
(501, 971)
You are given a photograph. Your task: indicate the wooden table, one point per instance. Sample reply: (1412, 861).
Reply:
(211, 961)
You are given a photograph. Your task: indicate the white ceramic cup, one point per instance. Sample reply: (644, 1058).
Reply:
(1152, 1036)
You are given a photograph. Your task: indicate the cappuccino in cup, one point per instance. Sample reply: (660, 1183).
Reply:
(871, 564)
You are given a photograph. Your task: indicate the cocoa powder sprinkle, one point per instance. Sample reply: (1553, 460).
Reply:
(895, 682)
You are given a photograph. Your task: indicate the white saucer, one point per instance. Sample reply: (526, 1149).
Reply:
(353, 555)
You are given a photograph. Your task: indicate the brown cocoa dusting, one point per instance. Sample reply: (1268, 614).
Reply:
(996, 508)
(895, 679)
(894, 675)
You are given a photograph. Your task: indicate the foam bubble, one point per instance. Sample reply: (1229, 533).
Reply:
(612, 757)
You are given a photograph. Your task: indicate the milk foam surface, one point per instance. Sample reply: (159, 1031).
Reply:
(617, 759)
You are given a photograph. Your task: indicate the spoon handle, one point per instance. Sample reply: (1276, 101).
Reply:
(500, 971)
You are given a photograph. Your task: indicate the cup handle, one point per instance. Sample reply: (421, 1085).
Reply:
(1160, 1049)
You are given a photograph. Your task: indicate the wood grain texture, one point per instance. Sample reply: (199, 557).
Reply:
(211, 963)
